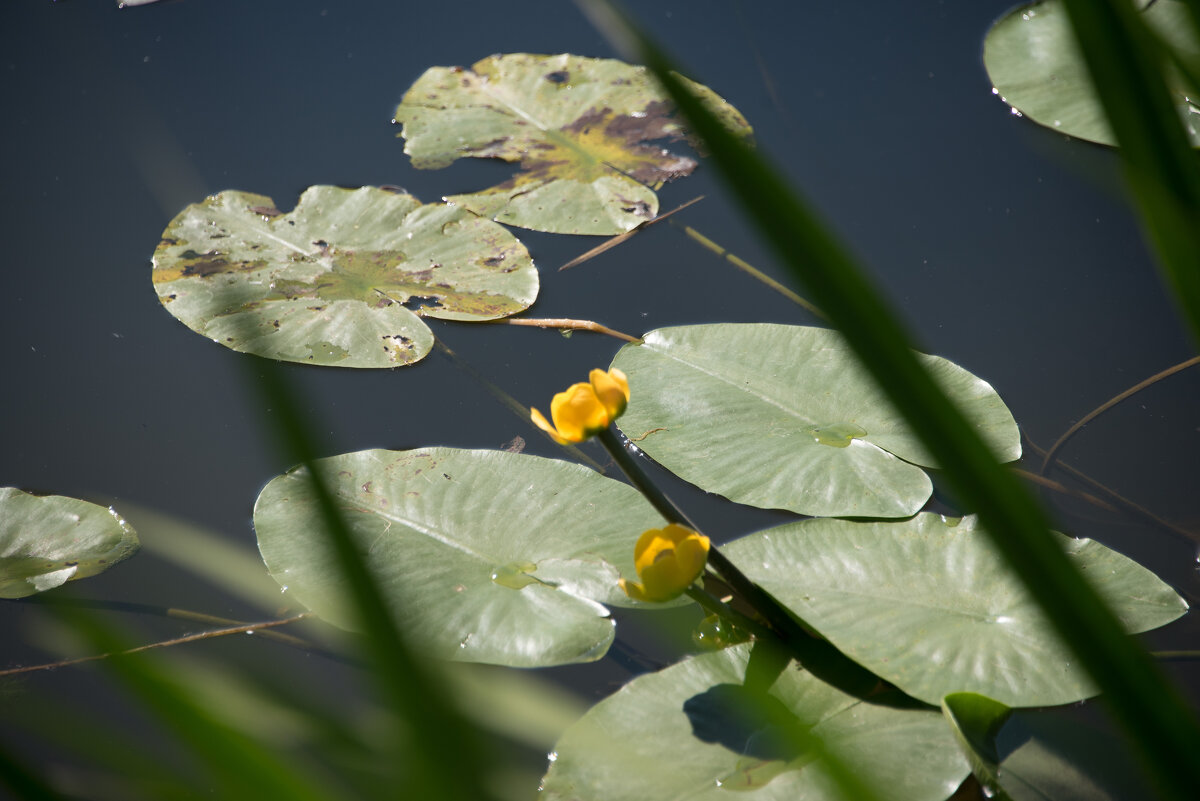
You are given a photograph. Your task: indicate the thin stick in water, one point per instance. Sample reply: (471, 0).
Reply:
(244, 628)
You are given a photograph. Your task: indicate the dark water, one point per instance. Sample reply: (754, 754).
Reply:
(1008, 248)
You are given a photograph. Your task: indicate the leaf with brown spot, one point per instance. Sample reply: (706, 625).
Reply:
(343, 279)
(581, 128)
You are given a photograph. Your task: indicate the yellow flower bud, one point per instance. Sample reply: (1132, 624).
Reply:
(612, 390)
(668, 561)
(585, 410)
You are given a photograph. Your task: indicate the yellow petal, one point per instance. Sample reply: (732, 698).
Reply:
(691, 555)
(541, 422)
(612, 388)
(634, 590)
(668, 561)
(661, 581)
(577, 413)
(648, 548)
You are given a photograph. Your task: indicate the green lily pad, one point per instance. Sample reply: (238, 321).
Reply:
(644, 741)
(48, 540)
(1063, 761)
(1044, 757)
(976, 721)
(1035, 66)
(486, 556)
(781, 416)
(930, 605)
(341, 280)
(580, 128)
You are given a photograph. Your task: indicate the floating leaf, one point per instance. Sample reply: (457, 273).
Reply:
(578, 126)
(976, 720)
(1045, 756)
(1035, 65)
(486, 556)
(784, 417)
(342, 279)
(1058, 759)
(930, 605)
(49, 540)
(644, 741)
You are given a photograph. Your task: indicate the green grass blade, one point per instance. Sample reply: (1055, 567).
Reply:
(441, 750)
(1126, 64)
(244, 767)
(24, 783)
(94, 750)
(1151, 711)
(234, 567)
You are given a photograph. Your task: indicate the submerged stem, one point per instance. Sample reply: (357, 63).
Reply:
(716, 606)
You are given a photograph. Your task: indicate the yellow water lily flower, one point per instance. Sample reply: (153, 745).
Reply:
(585, 410)
(667, 561)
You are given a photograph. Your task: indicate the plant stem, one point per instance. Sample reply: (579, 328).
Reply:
(609, 244)
(716, 606)
(243, 628)
(565, 323)
(750, 270)
(817, 656)
(508, 401)
(779, 618)
(633, 471)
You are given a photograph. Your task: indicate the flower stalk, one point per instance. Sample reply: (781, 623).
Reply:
(735, 578)
(817, 656)
(670, 560)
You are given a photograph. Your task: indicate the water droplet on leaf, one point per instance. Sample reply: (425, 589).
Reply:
(837, 435)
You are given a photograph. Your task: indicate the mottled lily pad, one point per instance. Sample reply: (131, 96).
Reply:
(781, 416)
(46, 541)
(341, 280)
(580, 127)
(1035, 65)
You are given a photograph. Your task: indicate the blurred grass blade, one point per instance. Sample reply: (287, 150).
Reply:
(439, 749)
(232, 566)
(244, 768)
(24, 783)
(1154, 716)
(1126, 64)
(100, 753)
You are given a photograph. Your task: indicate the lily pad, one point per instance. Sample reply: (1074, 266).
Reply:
(976, 721)
(1063, 761)
(644, 742)
(580, 127)
(1035, 66)
(930, 605)
(341, 280)
(486, 556)
(1044, 757)
(48, 540)
(784, 417)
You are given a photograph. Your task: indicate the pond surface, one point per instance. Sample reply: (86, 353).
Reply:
(1008, 248)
